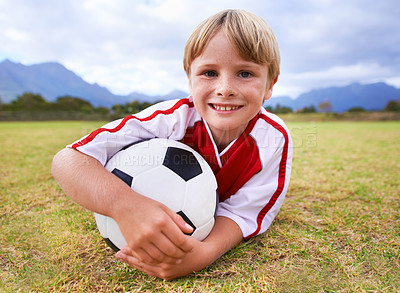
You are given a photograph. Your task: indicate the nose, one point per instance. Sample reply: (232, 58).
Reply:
(225, 87)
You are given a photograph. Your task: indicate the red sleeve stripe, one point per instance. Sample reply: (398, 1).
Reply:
(281, 176)
(92, 135)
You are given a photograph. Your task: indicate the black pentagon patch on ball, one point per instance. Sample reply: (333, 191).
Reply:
(182, 162)
(187, 220)
(123, 176)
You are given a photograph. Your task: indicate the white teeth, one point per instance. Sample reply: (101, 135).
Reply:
(225, 108)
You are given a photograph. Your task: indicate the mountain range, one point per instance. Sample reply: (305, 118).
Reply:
(371, 97)
(52, 80)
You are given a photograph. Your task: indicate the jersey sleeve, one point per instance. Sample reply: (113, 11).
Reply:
(165, 120)
(254, 206)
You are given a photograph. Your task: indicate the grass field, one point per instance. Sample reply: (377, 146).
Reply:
(338, 230)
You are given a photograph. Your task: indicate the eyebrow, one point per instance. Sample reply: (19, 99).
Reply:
(245, 64)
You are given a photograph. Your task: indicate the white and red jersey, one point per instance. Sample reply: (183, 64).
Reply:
(252, 172)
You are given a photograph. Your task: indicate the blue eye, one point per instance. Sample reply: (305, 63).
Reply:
(210, 73)
(245, 74)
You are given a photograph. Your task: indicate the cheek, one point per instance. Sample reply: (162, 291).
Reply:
(255, 93)
(199, 106)
(192, 84)
(197, 87)
(193, 91)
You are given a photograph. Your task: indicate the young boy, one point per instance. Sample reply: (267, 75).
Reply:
(232, 63)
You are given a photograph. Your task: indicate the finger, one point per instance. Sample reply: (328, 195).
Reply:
(138, 253)
(153, 255)
(171, 253)
(129, 259)
(175, 235)
(137, 264)
(150, 257)
(185, 227)
(180, 242)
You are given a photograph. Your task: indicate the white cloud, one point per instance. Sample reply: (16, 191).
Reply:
(138, 45)
(293, 84)
(394, 81)
(15, 35)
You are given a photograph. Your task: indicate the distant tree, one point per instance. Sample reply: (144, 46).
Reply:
(325, 106)
(117, 108)
(282, 109)
(102, 110)
(310, 109)
(129, 108)
(4, 106)
(393, 106)
(136, 106)
(29, 102)
(68, 103)
(356, 109)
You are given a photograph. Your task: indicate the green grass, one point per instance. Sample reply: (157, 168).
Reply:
(338, 230)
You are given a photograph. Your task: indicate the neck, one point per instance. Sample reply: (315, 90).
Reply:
(224, 138)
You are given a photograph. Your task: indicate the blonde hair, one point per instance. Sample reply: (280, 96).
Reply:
(248, 33)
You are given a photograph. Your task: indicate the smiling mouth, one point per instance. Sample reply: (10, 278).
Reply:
(224, 108)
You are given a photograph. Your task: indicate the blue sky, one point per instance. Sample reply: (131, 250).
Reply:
(130, 46)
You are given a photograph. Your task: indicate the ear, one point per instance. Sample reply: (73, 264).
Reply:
(268, 93)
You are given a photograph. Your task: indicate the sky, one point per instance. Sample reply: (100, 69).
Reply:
(137, 46)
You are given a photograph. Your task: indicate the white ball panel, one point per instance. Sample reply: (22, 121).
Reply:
(101, 222)
(202, 232)
(114, 233)
(108, 228)
(163, 185)
(137, 158)
(201, 199)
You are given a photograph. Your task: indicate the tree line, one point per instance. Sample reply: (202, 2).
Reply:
(326, 107)
(31, 106)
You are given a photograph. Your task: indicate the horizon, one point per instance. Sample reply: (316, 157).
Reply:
(274, 96)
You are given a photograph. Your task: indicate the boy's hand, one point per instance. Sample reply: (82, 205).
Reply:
(167, 271)
(224, 235)
(154, 233)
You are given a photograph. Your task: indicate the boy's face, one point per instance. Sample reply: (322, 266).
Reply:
(227, 90)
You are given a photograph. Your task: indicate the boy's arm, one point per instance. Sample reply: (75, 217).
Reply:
(224, 235)
(154, 239)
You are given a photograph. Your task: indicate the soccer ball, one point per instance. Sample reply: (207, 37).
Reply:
(171, 173)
